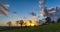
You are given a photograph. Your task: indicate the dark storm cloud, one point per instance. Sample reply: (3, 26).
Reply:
(33, 14)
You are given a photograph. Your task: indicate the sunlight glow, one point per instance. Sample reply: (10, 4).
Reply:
(32, 24)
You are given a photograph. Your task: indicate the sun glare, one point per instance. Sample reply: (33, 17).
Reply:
(32, 24)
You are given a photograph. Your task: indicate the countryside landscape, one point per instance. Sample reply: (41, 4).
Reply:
(29, 15)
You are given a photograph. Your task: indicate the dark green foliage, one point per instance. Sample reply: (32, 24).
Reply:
(17, 22)
(48, 20)
(9, 23)
(58, 20)
(53, 21)
(21, 22)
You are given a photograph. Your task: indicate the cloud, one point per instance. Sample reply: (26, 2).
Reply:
(6, 6)
(54, 13)
(42, 14)
(3, 9)
(42, 2)
(33, 14)
(15, 13)
(1, 14)
(52, 10)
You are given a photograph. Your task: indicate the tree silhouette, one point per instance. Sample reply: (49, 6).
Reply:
(21, 22)
(58, 20)
(53, 21)
(30, 22)
(9, 23)
(39, 21)
(17, 22)
(48, 20)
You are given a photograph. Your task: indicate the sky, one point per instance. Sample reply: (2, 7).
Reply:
(23, 8)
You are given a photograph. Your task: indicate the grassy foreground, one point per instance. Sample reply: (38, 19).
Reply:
(45, 28)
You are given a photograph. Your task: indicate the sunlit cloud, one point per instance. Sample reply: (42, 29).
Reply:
(54, 13)
(52, 10)
(42, 14)
(3, 9)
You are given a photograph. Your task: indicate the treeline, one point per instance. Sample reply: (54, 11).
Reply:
(19, 23)
(49, 20)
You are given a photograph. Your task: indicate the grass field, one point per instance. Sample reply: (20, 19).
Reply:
(44, 28)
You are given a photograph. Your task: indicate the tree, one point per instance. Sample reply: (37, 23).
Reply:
(58, 20)
(9, 23)
(30, 22)
(21, 22)
(48, 20)
(53, 21)
(39, 21)
(17, 22)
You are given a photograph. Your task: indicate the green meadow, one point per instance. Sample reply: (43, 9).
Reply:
(43, 28)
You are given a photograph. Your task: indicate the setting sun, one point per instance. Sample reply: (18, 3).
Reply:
(32, 24)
